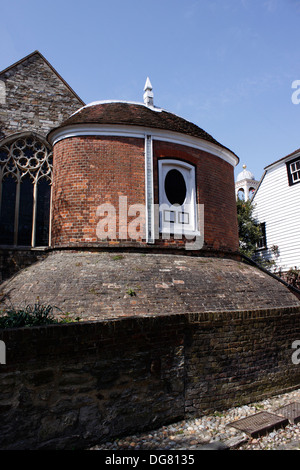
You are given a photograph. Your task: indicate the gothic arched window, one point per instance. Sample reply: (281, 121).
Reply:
(25, 191)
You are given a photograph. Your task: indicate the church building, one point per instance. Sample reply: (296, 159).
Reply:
(33, 99)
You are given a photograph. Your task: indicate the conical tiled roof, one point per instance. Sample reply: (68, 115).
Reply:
(136, 114)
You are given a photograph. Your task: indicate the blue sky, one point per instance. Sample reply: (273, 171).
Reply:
(226, 65)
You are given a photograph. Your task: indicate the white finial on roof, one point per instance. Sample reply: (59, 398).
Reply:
(148, 95)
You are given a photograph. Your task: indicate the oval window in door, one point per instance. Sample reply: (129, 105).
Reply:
(175, 187)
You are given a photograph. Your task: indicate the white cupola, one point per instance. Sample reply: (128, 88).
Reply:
(246, 184)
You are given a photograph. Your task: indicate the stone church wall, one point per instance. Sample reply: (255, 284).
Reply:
(74, 385)
(33, 98)
(13, 260)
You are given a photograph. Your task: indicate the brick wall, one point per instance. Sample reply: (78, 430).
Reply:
(89, 171)
(71, 386)
(239, 357)
(215, 189)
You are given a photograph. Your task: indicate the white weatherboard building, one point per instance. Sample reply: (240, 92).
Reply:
(277, 208)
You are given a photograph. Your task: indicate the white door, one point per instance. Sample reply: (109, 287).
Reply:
(177, 198)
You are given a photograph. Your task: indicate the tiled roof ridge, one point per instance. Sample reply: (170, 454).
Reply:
(289, 156)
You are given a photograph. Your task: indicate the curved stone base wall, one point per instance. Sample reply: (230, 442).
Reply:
(105, 285)
(13, 260)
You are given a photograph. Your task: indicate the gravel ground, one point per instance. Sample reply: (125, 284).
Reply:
(212, 432)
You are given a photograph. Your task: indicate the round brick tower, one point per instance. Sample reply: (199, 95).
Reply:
(132, 174)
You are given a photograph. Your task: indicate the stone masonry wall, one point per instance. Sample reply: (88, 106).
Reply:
(13, 260)
(34, 98)
(74, 385)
